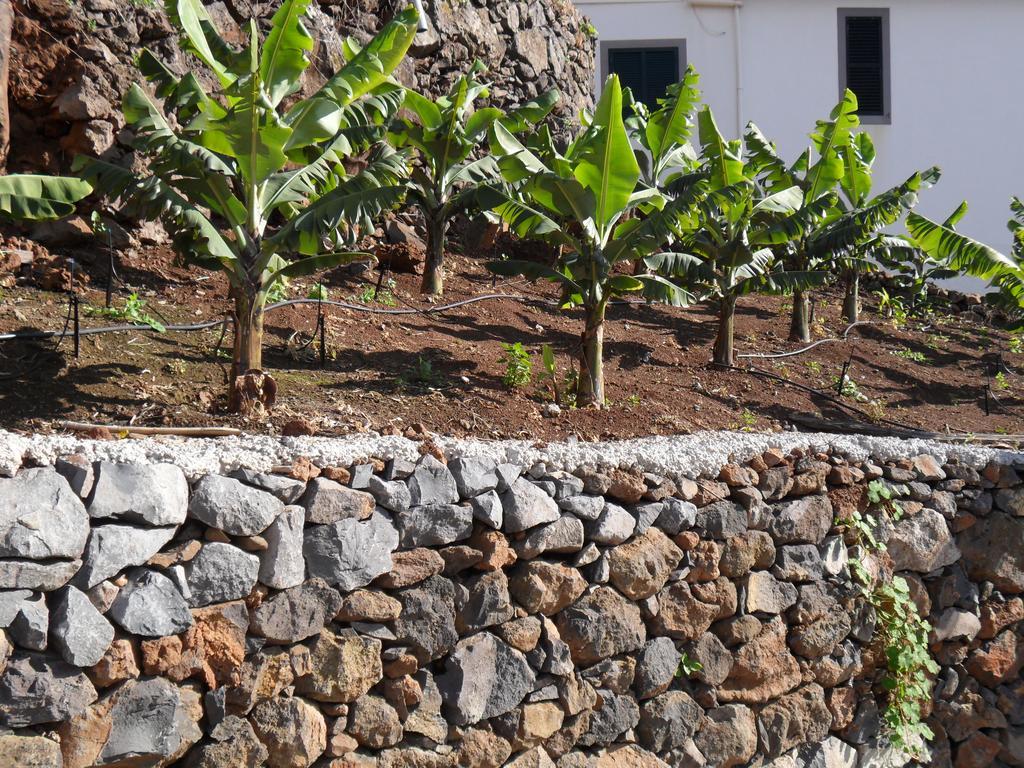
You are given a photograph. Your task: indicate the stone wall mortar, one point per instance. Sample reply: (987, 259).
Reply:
(442, 610)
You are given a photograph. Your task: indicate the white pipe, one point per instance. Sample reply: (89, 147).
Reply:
(422, 27)
(738, 49)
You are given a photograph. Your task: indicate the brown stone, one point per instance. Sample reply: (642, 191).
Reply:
(522, 634)
(83, 736)
(710, 491)
(369, 605)
(979, 751)
(374, 723)
(704, 562)
(119, 663)
(997, 662)
(342, 667)
(293, 731)
(641, 567)
(410, 568)
(211, 649)
(543, 587)
(686, 540)
(686, 611)
(497, 553)
(181, 553)
(337, 474)
(601, 625)
(742, 553)
(405, 664)
(763, 669)
(262, 676)
(537, 723)
(459, 557)
(629, 756)
(302, 469)
(482, 749)
(338, 742)
(798, 718)
(997, 616)
(842, 705)
(626, 486)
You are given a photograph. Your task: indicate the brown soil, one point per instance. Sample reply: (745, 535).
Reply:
(443, 372)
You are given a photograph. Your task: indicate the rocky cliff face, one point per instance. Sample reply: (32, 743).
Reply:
(72, 59)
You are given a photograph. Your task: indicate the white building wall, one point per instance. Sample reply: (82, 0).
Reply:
(957, 80)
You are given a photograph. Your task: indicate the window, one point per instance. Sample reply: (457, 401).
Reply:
(864, 60)
(647, 68)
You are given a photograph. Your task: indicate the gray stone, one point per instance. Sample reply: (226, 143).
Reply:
(233, 743)
(714, 658)
(37, 689)
(793, 720)
(233, 507)
(287, 489)
(154, 494)
(10, 604)
(835, 559)
(805, 520)
(615, 717)
(220, 573)
(656, 667)
(80, 633)
(668, 721)
(998, 533)
(393, 495)
(922, 543)
(41, 576)
(434, 525)
(563, 536)
(483, 678)
(526, 505)
(432, 483)
(646, 515)
(483, 602)
(830, 753)
(721, 520)
(798, 562)
(31, 624)
(328, 502)
(112, 548)
(676, 516)
(427, 621)
(766, 594)
(151, 723)
(41, 517)
(360, 476)
(1011, 500)
(350, 554)
(584, 507)
(296, 613)
(614, 525)
(821, 636)
(956, 624)
(487, 509)
(150, 605)
(473, 477)
(281, 563)
(507, 474)
(426, 719)
(566, 485)
(78, 471)
(601, 625)
(398, 469)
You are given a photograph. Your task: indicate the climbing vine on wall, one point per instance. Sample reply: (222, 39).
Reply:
(901, 629)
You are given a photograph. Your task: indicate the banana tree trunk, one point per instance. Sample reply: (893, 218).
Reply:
(433, 269)
(590, 391)
(723, 352)
(6, 24)
(251, 390)
(851, 301)
(800, 327)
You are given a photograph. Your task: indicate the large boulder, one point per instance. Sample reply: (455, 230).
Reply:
(601, 625)
(483, 678)
(296, 613)
(233, 507)
(112, 548)
(993, 550)
(922, 543)
(35, 689)
(80, 633)
(41, 518)
(150, 605)
(350, 554)
(153, 722)
(220, 573)
(153, 494)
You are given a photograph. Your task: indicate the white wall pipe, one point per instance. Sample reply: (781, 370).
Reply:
(737, 49)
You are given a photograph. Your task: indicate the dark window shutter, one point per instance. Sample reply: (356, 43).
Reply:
(865, 65)
(648, 72)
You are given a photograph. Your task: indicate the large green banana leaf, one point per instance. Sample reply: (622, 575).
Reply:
(32, 197)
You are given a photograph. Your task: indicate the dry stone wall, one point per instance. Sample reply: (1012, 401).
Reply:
(463, 612)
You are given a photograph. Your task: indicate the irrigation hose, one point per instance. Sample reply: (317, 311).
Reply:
(808, 348)
(25, 335)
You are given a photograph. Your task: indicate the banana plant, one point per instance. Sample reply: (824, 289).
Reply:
(731, 251)
(30, 197)
(251, 180)
(856, 239)
(662, 136)
(579, 200)
(816, 172)
(1009, 282)
(444, 134)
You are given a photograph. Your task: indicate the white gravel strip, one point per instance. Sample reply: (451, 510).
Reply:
(698, 455)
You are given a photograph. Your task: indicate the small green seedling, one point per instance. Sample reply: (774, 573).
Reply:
(687, 666)
(518, 366)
